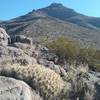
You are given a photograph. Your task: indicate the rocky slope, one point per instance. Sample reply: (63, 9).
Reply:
(54, 21)
(66, 14)
(35, 65)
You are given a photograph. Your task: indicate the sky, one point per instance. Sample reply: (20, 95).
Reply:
(13, 8)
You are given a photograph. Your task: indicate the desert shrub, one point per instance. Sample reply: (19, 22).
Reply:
(48, 83)
(64, 48)
(96, 67)
(97, 55)
(94, 60)
(69, 51)
(82, 90)
(86, 55)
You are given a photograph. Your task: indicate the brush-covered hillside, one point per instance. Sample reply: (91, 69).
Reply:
(54, 21)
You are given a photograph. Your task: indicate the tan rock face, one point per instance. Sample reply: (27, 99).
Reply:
(12, 89)
(3, 37)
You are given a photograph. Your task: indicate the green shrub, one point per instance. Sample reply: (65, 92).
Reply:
(68, 50)
(96, 67)
(87, 55)
(64, 48)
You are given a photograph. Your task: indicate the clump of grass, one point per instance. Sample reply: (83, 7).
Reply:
(48, 83)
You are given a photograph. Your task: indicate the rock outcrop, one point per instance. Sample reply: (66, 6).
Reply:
(12, 89)
(4, 37)
(14, 55)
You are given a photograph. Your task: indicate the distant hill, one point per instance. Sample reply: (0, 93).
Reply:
(54, 21)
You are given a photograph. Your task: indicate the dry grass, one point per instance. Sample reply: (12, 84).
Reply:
(48, 83)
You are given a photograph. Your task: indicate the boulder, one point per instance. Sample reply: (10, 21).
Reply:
(11, 55)
(21, 39)
(12, 89)
(49, 56)
(4, 37)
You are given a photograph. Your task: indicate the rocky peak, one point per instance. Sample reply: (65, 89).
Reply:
(56, 5)
(57, 10)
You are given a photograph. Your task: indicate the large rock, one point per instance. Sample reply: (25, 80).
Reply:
(21, 39)
(46, 54)
(12, 89)
(28, 49)
(4, 37)
(14, 55)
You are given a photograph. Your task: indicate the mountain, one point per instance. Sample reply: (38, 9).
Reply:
(54, 21)
(66, 14)
(32, 72)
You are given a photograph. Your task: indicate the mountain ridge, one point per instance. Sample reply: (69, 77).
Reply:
(54, 21)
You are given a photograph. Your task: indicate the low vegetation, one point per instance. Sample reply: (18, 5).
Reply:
(70, 51)
(45, 81)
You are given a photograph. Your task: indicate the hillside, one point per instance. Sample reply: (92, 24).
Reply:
(54, 21)
(67, 14)
(32, 72)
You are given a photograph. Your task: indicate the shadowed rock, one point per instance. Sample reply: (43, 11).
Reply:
(21, 39)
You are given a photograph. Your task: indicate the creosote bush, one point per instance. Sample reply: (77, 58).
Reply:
(64, 48)
(70, 51)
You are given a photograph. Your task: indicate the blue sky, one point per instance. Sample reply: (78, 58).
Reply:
(13, 8)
